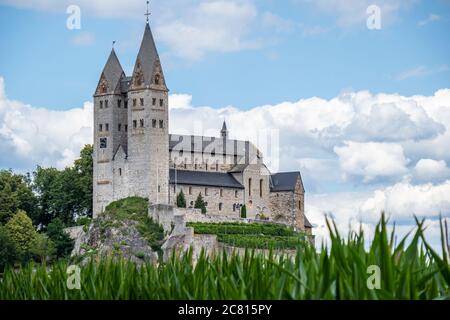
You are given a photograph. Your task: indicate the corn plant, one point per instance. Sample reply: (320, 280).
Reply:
(412, 269)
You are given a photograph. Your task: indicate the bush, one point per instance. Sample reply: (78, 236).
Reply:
(7, 250)
(43, 248)
(62, 242)
(181, 200)
(22, 232)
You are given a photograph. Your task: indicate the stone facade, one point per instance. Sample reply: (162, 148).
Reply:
(134, 154)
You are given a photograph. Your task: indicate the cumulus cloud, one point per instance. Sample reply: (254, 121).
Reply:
(210, 26)
(371, 160)
(429, 169)
(352, 210)
(31, 136)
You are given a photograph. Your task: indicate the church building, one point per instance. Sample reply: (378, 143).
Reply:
(135, 155)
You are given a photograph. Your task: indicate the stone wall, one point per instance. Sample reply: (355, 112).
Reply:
(220, 201)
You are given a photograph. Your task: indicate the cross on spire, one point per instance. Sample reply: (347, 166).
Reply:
(147, 14)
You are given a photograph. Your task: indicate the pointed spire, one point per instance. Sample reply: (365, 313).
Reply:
(111, 75)
(224, 131)
(148, 59)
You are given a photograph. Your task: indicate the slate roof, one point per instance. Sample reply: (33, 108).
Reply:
(307, 223)
(207, 179)
(220, 146)
(112, 72)
(148, 55)
(284, 181)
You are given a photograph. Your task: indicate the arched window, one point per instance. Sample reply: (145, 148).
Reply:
(261, 188)
(250, 187)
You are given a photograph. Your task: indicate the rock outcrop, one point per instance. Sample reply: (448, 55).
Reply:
(109, 237)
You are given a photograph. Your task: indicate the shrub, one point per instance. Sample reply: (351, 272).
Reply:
(62, 242)
(181, 200)
(22, 232)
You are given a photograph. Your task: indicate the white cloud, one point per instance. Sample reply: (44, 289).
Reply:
(403, 200)
(419, 72)
(431, 18)
(371, 160)
(218, 25)
(400, 202)
(351, 12)
(31, 136)
(189, 28)
(83, 39)
(428, 169)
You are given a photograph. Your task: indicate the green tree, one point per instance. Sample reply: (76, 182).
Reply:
(181, 200)
(22, 232)
(84, 168)
(244, 212)
(7, 249)
(66, 194)
(15, 193)
(42, 248)
(63, 243)
(200, 204)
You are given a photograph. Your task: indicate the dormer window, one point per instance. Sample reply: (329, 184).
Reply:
(157, 79)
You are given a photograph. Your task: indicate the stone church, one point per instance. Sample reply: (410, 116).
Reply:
(134, 154)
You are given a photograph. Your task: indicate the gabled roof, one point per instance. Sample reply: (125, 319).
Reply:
(285, 181)
(207, 179)
(112, 73)
(147, 56)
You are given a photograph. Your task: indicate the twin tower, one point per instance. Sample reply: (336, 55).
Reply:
(131, 130)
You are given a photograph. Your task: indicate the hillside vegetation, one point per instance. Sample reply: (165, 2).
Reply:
(253, 235)
(409, 270)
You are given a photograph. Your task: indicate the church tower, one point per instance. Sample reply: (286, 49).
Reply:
(148, 123)
(109, 132)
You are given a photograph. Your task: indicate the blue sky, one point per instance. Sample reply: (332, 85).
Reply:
(363, 114)
(309, 53)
